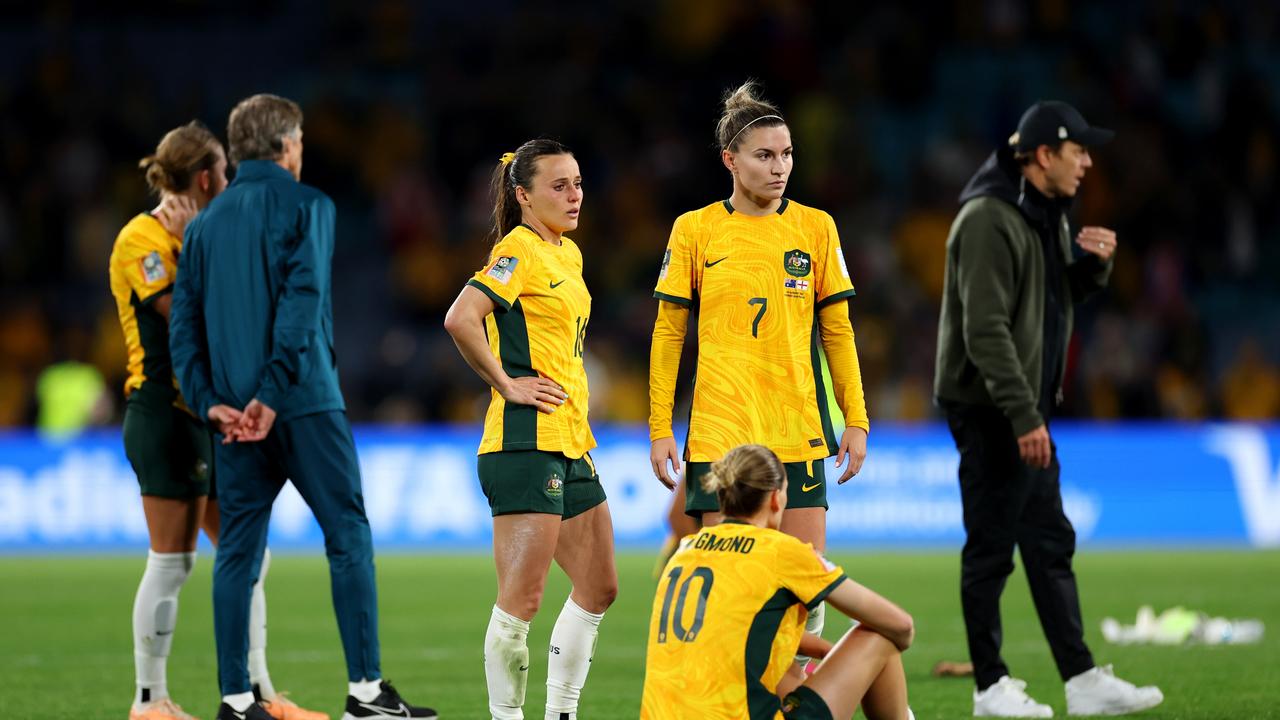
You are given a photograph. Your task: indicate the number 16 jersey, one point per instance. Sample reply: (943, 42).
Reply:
(756, 284)
(726, 622)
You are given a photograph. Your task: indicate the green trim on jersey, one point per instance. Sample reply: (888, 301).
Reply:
(153, 336)
(842, 295)
(828, 408)
(495, 297)
(817, 599)
(519, 422)
(683, 302)
(762, 704)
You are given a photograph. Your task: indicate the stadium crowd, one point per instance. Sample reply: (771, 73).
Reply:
(408, 107)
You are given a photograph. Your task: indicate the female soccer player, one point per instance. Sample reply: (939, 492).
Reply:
(520, 323)
(770, 286)
(728, 616)
(170, 450)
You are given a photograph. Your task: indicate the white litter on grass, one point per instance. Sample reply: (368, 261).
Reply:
(1180, 626)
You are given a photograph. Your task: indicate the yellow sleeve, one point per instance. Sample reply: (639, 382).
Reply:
(149, 266)
(842, 359)
(808, 575)
(675, 278)
(664, 365)
(833, 282)
(502, 279)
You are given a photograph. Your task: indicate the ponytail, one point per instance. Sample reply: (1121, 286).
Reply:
(516, 169)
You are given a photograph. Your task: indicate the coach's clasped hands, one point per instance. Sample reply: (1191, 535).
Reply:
(249, 425)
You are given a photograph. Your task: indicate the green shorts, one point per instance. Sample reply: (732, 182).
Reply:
(805, 704)
(171, 453)
(535, 481)
(806, 487)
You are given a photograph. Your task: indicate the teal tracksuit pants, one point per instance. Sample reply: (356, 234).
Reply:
(317, 454)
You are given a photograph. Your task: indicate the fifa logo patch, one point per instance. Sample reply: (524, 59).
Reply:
(502, 269)
(153, 268)
(666, 262)
(796, 262)
(794, 284)
(555, 486)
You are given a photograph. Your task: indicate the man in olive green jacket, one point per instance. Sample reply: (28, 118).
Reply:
(1011, 281)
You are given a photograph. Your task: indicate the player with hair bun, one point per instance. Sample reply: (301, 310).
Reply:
(777, 364)
(171, 451)
(729, 615)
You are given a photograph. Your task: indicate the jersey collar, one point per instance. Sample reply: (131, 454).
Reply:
(782, 206)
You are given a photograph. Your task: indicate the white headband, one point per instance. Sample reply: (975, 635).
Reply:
(744, 127)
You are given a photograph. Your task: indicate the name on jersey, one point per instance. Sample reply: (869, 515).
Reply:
(708, 541)
(502, 269)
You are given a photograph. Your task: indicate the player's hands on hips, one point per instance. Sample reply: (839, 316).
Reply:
(1097, 241)
(540, 392)
(226, 420)
(662, 451)
(853, 449)
(256, 422)
(174, 212)
(1035, 448)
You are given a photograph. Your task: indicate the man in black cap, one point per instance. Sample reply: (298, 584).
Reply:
(1011, 281)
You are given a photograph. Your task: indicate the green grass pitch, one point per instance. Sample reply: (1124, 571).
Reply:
(66, 652)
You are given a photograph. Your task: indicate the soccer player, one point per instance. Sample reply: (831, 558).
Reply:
(253, 326)
(520, 323)
(769, 283)
(170, 450)
(728, 616)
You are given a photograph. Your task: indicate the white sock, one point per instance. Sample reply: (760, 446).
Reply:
(506, 664)
(365, 690)
(240, 701)
(573, 643)
(155, 615)
(813, 625)
(258, 674)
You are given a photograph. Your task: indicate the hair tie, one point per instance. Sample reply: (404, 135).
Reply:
(744, 127)
(507, 158)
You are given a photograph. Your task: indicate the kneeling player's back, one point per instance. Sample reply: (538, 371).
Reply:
(727, 619)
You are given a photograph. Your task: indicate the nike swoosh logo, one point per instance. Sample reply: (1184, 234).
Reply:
(555, 285)
(523, 668)
(380, 711)
(807, 488)
(708, 263)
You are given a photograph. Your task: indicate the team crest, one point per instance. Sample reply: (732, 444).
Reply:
(666, 262)
(796, 262)
(502, 269)
(153, 268)
(555, 486)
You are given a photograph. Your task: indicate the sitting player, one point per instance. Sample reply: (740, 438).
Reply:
(728, 617)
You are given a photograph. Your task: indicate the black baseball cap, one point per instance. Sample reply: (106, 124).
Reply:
(1051, 122)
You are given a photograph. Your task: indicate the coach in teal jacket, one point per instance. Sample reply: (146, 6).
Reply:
(252, 328)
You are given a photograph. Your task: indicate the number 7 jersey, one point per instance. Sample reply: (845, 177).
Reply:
(726, 622)
(756, 284)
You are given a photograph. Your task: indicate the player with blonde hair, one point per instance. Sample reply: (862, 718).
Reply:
(729, 615)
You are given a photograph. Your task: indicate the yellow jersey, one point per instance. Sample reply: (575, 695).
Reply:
(538, 328)
(727, 620)
(144, 262)
(756, 285)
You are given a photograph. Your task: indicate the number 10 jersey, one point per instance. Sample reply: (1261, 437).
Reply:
(726, 622)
